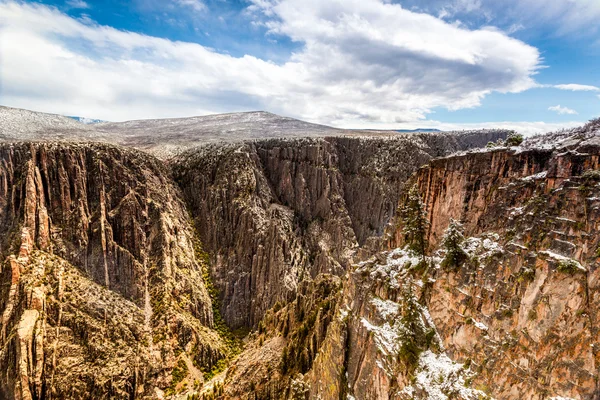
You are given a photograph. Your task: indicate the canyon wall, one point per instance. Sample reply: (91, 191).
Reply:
(518, 317)
(515, 318)
(104, 293)
(272, 213)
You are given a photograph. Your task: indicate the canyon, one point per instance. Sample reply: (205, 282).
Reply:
(231, 266)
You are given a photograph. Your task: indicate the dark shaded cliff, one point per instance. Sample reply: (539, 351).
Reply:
(275, 212)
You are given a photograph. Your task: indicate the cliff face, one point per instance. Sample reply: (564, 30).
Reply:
(106, 295)
(515, 318)
(536, 290)
(108, 291)
(273, 213)
(518, 317)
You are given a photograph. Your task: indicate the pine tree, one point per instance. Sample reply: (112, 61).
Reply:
(414, 336)
(415, 223)
(452, 242)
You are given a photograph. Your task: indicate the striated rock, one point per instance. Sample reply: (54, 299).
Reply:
(515, 318)
(271, 213)
(106, 291)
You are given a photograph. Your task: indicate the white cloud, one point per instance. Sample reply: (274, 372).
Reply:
(77, 4)
(360, 61)
(562, 110)
(561, 17)
(578, 88)
(195, 5)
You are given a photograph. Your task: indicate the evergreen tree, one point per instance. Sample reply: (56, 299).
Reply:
(415, 223)
(452, 242)
(414, 336)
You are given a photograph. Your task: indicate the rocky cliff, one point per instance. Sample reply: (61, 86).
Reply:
(103, 295)
(272, 213)
(524, 314)
(512, 315)
(123, 275)
(107, 289)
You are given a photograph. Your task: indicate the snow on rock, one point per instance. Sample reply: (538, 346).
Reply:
(395, 265)
(386, 336)
(439, 378)
(534, 177)
(483, 247)
(343, 314)
(385, 308)
(480, 325)
(560, 258)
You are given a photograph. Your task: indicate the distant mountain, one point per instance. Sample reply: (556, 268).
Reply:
(86, 121)
(170, 136)
(18, 125)
(417, 130)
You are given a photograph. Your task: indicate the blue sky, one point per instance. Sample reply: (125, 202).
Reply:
(528, 64)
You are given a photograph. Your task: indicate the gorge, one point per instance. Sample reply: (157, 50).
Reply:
(280, 268)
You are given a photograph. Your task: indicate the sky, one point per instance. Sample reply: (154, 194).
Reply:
(529, 65)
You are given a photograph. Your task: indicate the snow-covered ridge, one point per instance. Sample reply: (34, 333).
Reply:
(583, 135)
(166, 138)
(17, 124)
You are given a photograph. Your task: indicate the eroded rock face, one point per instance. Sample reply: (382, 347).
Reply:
(537, 290)
(521, 309)
(106, 294)
(274, 212)
(515, 319)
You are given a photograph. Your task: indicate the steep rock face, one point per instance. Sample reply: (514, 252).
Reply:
(273, 212)
(522, 309)
(517, 318)
(106, 293)
(537, 292)
(282, 357)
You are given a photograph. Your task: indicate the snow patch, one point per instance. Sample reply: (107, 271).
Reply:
(531, 178)
(395, 265)
(385, 308)
(560, 257)
(480, 325)
(386, 337)
(441, 378)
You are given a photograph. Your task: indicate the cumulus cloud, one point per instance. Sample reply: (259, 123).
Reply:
(359, 60)
(562, 110)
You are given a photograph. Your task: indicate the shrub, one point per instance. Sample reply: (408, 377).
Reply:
(514, 139)
(568, 266)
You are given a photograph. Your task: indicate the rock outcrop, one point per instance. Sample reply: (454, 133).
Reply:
(119, 270)
(273, 213)
(106, 293)
(535, 290)
(513, 317)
